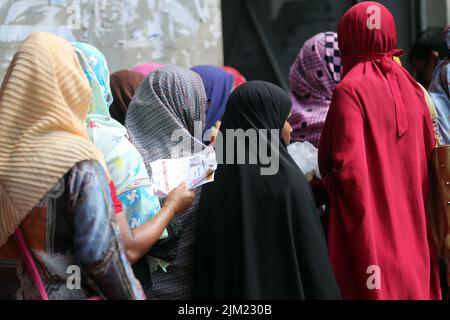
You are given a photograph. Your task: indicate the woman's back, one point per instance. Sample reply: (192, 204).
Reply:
(259, 236)
(374, 154)
(169, 104)
(52, 180)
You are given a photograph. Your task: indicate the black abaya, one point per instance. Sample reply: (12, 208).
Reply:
(259, 237)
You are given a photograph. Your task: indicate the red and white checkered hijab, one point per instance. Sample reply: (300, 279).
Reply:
(313, 78)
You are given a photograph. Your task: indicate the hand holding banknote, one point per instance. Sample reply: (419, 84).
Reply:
(180, 199)
(195, 171)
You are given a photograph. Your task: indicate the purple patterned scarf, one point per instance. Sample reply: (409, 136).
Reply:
(313, 78)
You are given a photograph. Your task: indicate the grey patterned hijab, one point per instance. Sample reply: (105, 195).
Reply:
(171, 99)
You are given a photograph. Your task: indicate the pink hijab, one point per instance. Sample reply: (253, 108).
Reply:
(146, 68)
(239, 79)
(313, 78)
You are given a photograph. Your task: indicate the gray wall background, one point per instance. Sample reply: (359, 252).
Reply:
(179, 32)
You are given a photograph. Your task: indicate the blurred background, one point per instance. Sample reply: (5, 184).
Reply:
(261, 38)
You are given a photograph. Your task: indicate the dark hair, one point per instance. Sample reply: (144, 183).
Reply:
(430, 40)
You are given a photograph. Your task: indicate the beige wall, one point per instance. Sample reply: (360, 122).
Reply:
(181, 32)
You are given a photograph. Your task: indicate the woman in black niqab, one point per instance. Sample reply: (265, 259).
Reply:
(259, 237)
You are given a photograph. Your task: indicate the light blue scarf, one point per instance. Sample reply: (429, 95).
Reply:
(124, 162)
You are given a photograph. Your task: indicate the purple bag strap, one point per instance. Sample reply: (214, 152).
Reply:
(30, 263)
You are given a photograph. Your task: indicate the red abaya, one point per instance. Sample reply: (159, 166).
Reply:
(374, 154)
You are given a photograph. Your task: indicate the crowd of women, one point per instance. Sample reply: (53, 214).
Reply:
(76, 180)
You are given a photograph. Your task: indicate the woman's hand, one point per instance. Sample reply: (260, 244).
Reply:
(180, 199)
(140, 240)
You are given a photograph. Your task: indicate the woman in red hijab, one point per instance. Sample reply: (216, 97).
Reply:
(374, 154)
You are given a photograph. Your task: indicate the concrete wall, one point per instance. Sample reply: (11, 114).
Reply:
(448, 11)
(438, 13)
(180, 32)
(287, 24)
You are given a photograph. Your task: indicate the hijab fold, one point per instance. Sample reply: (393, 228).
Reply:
(389, 67)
